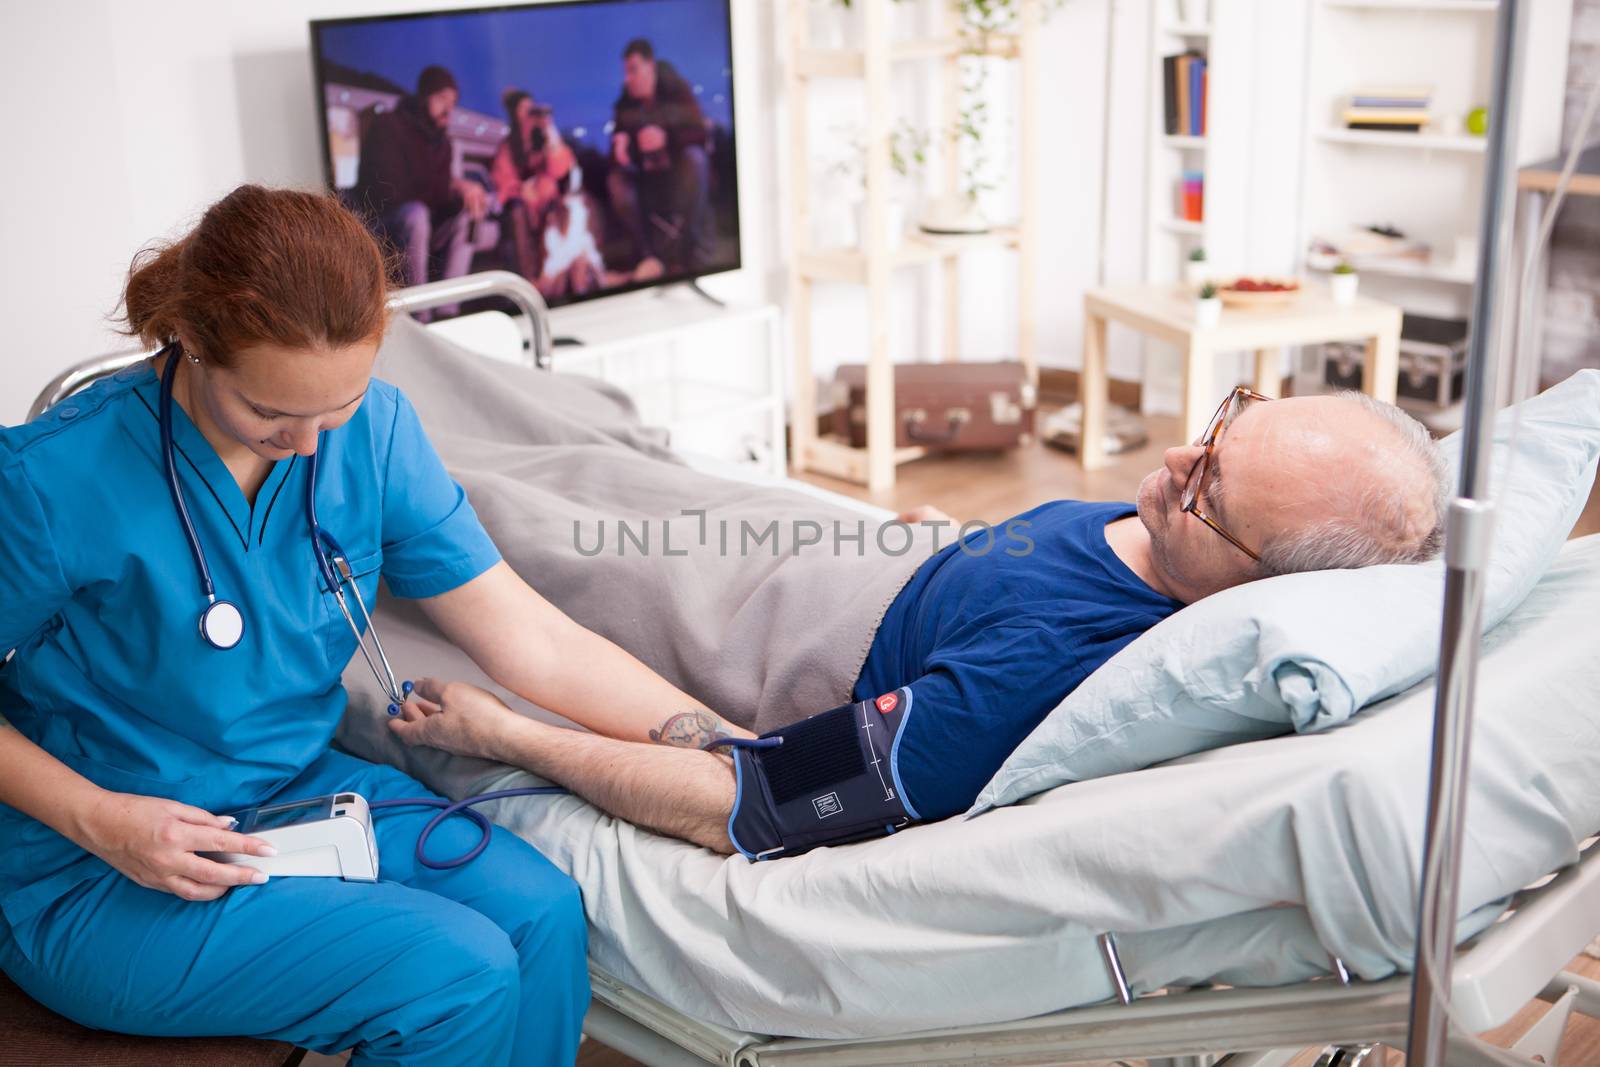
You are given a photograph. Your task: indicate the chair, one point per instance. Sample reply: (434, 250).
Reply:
(31, 1035)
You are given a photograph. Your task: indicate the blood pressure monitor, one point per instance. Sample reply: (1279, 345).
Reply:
(326, 837)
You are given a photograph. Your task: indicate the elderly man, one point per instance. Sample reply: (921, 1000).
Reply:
(984, 645)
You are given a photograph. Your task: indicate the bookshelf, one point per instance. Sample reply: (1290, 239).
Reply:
(1221, 153)
(1429, 185)
(873, 261)
(1405, 142)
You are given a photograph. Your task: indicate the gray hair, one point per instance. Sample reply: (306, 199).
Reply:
(1376, 530)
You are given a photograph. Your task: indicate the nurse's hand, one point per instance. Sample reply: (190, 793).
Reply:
(154, 841)
(457, 717)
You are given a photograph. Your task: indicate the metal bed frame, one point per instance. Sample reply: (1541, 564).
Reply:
(1518, 959)
(534, 322)
(1521, 957)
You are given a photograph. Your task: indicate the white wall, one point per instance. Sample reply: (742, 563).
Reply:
(135, 115)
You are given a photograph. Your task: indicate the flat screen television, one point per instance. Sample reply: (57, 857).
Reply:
(588, 146)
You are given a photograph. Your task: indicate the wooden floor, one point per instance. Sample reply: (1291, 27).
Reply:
(995, 487)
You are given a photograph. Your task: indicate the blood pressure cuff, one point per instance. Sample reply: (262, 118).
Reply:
(831, 780)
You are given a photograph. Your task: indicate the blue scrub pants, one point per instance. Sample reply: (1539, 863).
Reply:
(484, 965)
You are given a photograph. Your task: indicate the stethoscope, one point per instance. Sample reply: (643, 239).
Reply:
(222, 627)
(221, 621)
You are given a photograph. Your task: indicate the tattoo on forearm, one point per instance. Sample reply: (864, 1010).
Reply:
(690, 729)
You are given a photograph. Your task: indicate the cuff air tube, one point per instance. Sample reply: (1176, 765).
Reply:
(826, 780)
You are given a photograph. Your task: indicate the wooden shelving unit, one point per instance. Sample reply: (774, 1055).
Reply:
(874, 262)
(1428, 184)
(1169, 237)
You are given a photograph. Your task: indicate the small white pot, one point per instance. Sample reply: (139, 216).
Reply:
(895, 231)
(1207, 313)
(1343, 287)
(1195, 271)
(833, 26)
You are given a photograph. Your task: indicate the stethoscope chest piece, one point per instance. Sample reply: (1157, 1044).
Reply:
(222, 625)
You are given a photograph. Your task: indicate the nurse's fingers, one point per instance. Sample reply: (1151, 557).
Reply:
(200, 817)
(206, 872)
(189, 889)
(227, 841)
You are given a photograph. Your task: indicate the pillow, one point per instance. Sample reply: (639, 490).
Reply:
(1307, 651)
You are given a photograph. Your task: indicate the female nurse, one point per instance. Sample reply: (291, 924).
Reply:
(129, 731)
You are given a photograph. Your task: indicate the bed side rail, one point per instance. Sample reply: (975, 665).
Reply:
(1512, 962)
(534, 323)
(1519, 958)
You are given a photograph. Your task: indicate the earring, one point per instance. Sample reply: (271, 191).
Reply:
(193, 358)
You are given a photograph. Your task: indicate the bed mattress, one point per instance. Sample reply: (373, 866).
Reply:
(1251, 865)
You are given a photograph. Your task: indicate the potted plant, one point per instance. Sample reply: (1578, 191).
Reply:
(1342, 283)
(908, 153)
(1208, 309)
(1194, 271)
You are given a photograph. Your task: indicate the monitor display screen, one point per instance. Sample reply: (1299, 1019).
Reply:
(587, 146)
(282, 815)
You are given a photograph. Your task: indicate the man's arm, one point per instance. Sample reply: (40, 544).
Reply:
(526, 644)
(680, 792)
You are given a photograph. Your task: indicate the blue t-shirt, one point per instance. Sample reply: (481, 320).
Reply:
(991, 633)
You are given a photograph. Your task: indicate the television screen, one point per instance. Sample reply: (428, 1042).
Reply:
(587, 146)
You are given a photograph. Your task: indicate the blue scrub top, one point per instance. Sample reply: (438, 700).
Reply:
(101, 600)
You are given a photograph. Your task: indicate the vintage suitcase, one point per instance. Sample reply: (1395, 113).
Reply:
(952, 407)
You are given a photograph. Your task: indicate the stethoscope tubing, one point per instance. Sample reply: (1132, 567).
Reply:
(332, 562)
(169, 374)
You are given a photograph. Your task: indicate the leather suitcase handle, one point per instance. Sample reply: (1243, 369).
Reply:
(958, 417)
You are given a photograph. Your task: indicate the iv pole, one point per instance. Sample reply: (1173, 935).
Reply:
(1469, 532)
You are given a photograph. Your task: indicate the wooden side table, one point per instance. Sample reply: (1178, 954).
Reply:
(1167, 313)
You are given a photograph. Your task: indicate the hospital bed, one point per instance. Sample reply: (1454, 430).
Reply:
(1520, 953)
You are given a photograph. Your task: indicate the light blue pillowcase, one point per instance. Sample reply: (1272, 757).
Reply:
(1307, 651)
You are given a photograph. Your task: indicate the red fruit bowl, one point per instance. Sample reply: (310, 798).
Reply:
(1255, 292)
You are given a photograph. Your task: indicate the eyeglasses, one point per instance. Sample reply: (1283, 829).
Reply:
(1196, 484)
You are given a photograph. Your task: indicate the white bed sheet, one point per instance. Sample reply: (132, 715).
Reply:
(1248, 865)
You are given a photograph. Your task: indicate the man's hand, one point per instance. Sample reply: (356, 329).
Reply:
(153, 841)
(456, 717)
(648, 270)
(474, 200)
(652, 139)
(619, 149)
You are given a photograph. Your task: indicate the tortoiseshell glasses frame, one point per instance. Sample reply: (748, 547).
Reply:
(1195, 486)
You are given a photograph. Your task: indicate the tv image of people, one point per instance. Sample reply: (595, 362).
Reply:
(587, 146)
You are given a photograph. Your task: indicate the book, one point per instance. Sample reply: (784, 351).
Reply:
(1386, 127)
(1366, 114)
(1183, 93)
(1191, 197)
(1197, 70)
(1169, 91)
(1184, 62)
(1389, 102)
(1389, 92)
